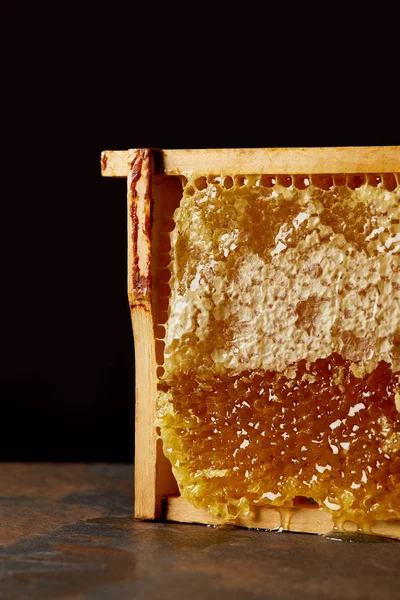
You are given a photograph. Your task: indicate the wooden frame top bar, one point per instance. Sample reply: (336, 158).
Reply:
(273, 161)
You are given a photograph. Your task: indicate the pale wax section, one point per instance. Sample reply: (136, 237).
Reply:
(287, 303)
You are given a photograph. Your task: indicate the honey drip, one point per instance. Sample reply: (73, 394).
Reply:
(363, 533)
(285, 515)
(280, 374)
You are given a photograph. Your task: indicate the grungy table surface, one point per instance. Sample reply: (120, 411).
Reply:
(66, 531)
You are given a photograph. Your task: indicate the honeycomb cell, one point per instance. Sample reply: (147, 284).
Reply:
(280, 375)
(201, 183)
(301, 182)
(227, 182)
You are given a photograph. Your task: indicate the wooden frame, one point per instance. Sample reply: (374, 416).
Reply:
(151, 177)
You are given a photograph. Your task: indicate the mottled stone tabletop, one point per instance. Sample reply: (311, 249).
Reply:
(66, 531)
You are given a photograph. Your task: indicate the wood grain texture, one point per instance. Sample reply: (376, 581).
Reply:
(139, 233)
(147, 504)
(114, 163)
(276, 161)
(298, 520)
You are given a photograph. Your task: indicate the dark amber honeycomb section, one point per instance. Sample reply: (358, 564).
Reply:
(279, 343)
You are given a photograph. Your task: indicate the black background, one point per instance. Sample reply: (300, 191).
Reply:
(66, 361)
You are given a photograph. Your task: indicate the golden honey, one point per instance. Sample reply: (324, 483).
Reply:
(280, 372)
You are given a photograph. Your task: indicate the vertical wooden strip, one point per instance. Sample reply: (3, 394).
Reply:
(139, 292)
(146, 505)
(139, 224)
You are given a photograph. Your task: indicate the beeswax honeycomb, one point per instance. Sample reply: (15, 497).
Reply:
(281, 370)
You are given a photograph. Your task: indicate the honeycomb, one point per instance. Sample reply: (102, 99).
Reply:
(279, 344)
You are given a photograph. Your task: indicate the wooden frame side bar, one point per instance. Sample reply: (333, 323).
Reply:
(147, 505)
